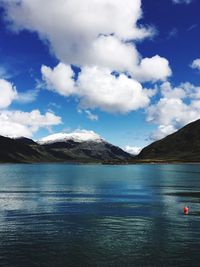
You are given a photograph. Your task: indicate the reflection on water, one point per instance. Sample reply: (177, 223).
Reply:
(77, 215)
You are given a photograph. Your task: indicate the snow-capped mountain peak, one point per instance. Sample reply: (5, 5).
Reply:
(77, 136)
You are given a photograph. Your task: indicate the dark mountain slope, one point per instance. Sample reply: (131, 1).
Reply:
(88, 151)
(183, 145)
(18, 150)
(26, 150)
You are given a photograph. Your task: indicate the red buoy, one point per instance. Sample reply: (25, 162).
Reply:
(186, 210)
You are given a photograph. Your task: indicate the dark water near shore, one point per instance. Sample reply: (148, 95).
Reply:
(56, 215)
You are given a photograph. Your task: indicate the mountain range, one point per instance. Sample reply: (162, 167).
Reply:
(89, 147)
(83, 146)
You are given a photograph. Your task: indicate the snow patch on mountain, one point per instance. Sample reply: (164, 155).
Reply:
(76, 136)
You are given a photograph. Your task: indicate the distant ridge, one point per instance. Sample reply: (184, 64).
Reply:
(82, 146)
(181, 146)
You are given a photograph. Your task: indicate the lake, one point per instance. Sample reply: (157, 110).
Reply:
(92, 215)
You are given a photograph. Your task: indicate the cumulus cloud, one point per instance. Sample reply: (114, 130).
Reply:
(196, 64)
(100, 38)
(8, 93)
(59, 79)
(153, 69)
(177, 107)
(18, 123)
(134, 150)
(111, 52)
(182, 1)
(97, 88)
(82, 32)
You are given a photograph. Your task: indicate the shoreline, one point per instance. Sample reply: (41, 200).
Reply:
(110, 163)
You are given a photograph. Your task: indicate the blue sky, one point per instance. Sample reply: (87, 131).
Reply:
(128, 70)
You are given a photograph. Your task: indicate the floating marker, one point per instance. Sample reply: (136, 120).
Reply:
(186, 210)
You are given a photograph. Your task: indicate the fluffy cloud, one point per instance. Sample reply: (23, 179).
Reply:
(99, 37)
(177, 107)
(82, 32)
(18, 123)
(59, 79)
(152, 69)
(196, 64)
(98, 88)
(133, 150)
(182, 1)
(8, 93)
(110, 52)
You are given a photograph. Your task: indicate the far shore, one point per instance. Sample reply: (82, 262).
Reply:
(134, 162)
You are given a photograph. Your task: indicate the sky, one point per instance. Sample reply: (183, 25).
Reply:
(128, 70)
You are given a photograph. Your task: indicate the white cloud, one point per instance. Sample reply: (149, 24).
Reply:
(98, 88)
(82, 32)
(162, 131)
(182, 1)
(18, 123)
(134, 150)
(8, 93)
(110, 52)
(153, 69)
(177, 107)
(196, 64)
(59, 79)
(168, 92)
(99, 37)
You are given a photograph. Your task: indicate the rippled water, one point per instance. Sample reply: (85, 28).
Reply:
(92, 215)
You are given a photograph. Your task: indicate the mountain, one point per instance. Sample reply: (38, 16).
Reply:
(183, 145)
(82, 146)
(21, 150)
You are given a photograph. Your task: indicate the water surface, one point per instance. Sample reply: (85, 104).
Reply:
(56, 215)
